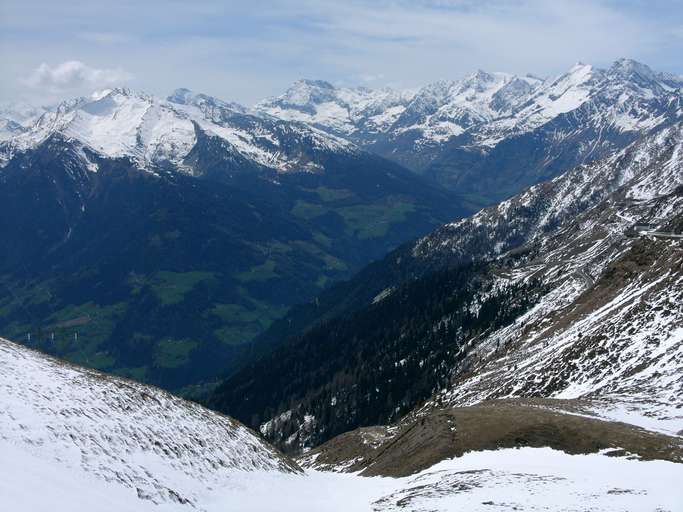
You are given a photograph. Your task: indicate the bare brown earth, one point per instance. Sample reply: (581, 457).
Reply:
(422, 441)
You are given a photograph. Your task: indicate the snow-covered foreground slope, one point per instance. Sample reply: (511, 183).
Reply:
(525, 479)
(142, 441)
(539, 479)
(74, 439)
(512, 479)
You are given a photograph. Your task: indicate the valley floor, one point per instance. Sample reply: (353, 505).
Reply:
(510, 479)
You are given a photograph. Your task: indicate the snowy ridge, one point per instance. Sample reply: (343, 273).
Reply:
(158, 447)
(438, 110)
(615, 98)
(587, 108)
(446, 109)
(158, 133)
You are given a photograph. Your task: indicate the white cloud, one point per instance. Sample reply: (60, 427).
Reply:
(73, 75)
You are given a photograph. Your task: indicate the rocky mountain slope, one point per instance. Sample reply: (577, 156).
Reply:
(156, 238)
(571, 289)
(610, 325)
(490, 135)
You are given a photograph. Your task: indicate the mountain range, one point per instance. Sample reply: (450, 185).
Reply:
(157, 238)
(490, 135)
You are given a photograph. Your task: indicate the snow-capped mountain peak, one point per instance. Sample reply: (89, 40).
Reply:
(629, 68)
(305, 91)
(182, 96)
(340, 110)
(482, 76)
(446, 109)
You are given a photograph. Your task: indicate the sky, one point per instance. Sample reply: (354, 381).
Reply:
(247, 50)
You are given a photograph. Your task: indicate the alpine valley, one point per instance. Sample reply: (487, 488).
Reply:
(155, 238)
(571, 289)
(463, 297)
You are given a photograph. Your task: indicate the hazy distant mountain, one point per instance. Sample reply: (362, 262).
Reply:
(16, 117)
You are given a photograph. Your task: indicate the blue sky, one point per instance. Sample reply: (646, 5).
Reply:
(246, 50)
